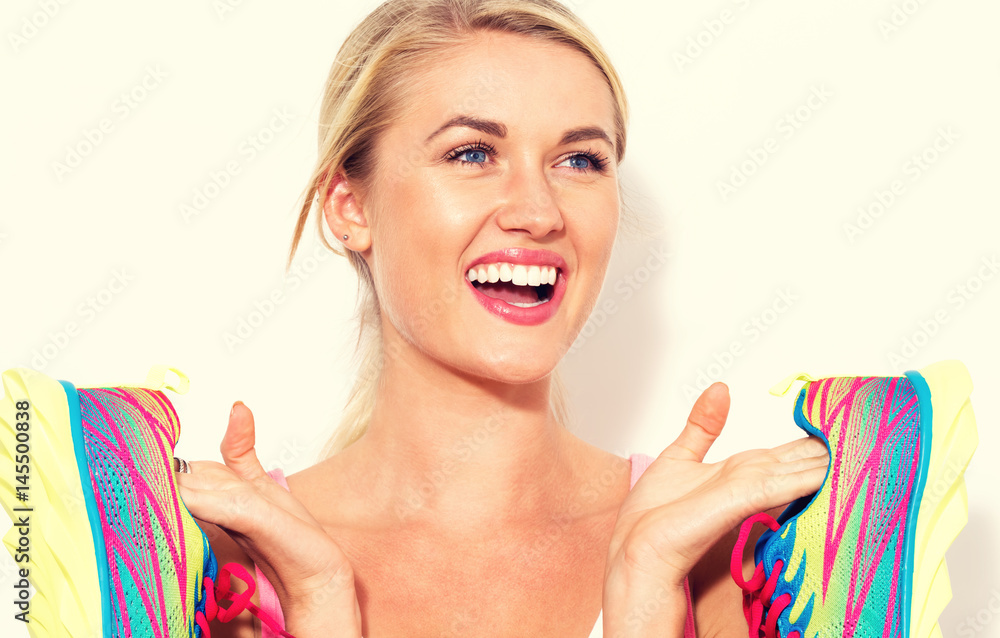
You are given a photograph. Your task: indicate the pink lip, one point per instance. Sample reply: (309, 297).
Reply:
(527, 256)
(515, 314)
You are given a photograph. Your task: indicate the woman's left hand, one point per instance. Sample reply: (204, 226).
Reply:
(681, 506)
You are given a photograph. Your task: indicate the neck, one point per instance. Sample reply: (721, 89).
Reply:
(453, 448)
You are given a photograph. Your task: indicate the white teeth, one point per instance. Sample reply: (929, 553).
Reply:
(518, 274)
(534, 276)
(527, 305)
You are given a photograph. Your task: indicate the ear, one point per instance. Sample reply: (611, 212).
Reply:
(344, 214)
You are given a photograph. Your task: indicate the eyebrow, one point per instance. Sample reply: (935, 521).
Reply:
(497, 129)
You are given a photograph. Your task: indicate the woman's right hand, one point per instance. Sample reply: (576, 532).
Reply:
(681, 507)
(312, 577)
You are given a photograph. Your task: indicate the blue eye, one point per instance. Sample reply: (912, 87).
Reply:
(588, 161)
(477, 151)
(591, 161)
(474, 153)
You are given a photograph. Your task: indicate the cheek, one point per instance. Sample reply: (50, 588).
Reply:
(593, 230)
(592, 233)
(422, 311)
(416, 248)
(399, 278)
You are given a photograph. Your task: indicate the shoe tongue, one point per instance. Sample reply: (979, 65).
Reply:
(508, 292)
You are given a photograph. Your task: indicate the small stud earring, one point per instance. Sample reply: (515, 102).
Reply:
(345, 237)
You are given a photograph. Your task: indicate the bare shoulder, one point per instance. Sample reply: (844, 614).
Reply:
(227, 551)
(303, 483)
(604, 477)
(334, 475)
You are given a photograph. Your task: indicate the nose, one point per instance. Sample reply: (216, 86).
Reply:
(530, 204)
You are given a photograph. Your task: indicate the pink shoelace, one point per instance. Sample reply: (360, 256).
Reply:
(759, 590)
(239, 603)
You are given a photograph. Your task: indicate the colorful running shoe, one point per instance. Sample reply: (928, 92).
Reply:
(864, 556)
(99, 526)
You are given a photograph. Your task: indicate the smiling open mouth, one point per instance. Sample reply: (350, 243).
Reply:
(518, 293)
(521, 296)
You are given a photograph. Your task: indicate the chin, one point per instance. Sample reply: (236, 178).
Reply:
(515, 370)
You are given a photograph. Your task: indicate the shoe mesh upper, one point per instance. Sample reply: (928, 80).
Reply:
(843, 552)
(157, 555)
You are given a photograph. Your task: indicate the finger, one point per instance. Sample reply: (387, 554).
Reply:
(806, 447)
(798, 465)
(208, 475)
(261, 530)
(785, 488)
(212, 532)
(238, 444)
(234, 510)
(704, 425)
(234, 493)
(213, 476)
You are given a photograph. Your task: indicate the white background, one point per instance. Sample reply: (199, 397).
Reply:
(856, 299)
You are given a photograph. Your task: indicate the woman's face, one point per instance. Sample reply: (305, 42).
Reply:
(444, 198)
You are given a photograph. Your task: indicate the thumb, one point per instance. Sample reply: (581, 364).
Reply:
(704, 425)
(238, 444)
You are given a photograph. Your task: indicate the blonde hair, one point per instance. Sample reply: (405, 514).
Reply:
(362, 98)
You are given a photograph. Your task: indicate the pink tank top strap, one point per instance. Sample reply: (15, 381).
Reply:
(639, 464)
(268, 597)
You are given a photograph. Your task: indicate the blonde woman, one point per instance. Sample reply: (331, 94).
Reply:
(468, 169)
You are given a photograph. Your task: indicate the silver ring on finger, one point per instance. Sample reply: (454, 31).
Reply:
(181, 466)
